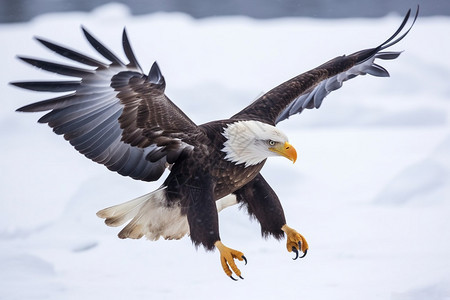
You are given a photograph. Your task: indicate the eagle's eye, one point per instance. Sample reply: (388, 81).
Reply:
(271, 143)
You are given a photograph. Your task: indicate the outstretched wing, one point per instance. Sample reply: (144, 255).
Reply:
(308, 90)
(115, 115)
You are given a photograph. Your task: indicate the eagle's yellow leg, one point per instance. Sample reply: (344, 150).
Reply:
(227, 256)
(295, 241)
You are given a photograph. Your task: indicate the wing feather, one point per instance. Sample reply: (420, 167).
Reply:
(102, 49)
(57, 68)
(307, 90)
(48, 86)
(114, 114)
(377, 70)
(78, 128)
(129, 52)
(71, 54)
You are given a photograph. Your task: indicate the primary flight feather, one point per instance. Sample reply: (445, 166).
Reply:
(120, 117)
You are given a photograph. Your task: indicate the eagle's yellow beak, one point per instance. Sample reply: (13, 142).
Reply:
(286, 150)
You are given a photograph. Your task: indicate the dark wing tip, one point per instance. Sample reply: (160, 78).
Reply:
(394, 39)
(377, 70)
(100, 48)
(129, 51)
(28, 108)
(388, 55)
(71, 54)
(61, 69)
(23, 109)
(23, 84)
(85, 31)
(48, 86)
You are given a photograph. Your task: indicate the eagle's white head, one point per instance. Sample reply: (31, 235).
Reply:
(251, 142)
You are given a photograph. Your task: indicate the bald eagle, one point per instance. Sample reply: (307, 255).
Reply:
(118, 116)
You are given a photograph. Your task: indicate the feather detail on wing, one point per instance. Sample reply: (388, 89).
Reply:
(313, 98)
(115, 114)
(307, 90)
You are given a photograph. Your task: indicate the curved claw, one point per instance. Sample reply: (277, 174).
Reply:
(245, 259)
(295, 251)
(231, 276)
(304, 254)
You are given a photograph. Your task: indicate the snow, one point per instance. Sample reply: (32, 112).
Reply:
(370, 190)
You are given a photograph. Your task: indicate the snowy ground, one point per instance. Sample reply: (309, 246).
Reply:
(370, 191)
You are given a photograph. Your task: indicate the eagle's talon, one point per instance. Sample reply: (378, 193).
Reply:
(295, 242)
(295, 251)
(227, 257)
(304, 253)
(241, 277)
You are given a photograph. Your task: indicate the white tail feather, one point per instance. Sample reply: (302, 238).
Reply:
(150, 215)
